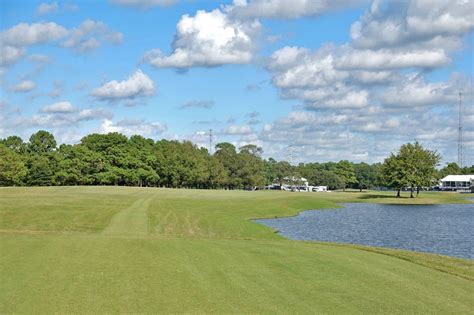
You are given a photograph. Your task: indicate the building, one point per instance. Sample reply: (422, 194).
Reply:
(457, 182)
(296, 184)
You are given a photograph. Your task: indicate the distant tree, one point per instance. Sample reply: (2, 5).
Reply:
(450, 169)
(15, 144)
(42, 142)
(329, 179)
(251, 170)
(425, 167)
(41, 169)
(270, 174)
(12, 168)
(365, 175)
(413, 167)
(345, 170)
(394, 174)
(283, 170)
(468, 170)
(227, 155)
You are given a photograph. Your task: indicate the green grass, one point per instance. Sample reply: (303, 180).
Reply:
(116, 249)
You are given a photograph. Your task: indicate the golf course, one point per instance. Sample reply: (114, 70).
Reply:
(152, 250)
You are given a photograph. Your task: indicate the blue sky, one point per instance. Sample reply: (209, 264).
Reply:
(333, 80)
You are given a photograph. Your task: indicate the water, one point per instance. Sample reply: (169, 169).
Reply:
(440, 229)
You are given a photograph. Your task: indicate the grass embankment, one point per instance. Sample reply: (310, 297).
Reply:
(112, 249)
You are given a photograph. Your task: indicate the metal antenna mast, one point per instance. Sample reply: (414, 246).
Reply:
(460, 140)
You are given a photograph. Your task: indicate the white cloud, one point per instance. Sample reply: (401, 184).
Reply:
(132, 127)
(208, 39)
(401, 23)
(25, 34)
(24, 86)
(137, 85)
(89, 34)
(286, 9)
(144, 3)
(393, 59)
(413, 91)
(198, 104)
(238, 130)
(53, 7)
(10, 54)
(45, 8)
(92, 114)
(58, 108)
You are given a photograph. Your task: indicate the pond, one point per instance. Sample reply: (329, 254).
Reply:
(440, 229)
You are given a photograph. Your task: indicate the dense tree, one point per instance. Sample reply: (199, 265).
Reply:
(450, 169)
(329, 179)
(15, 144)
(345, 170)
(114, 159)
(413, 167)
(12, 168)
(393, 173)
(366, 175)
(251, 168)
(42, 142)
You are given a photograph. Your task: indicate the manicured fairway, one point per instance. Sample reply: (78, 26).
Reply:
(114, 249)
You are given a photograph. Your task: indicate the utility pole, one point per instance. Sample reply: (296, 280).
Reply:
(460, 135)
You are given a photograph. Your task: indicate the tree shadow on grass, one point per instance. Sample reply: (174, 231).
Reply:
(381, 196)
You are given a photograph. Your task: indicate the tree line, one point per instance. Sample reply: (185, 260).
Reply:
(114, 159)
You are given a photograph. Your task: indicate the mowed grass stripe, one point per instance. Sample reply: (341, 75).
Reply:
(131, 221)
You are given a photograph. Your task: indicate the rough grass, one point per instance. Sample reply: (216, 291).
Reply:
(115, 249)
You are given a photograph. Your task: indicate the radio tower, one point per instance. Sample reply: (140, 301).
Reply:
(460, 144)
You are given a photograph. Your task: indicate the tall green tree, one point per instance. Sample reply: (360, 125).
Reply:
(413, 167)
(42, 142)
(345, 170)
(12, 168)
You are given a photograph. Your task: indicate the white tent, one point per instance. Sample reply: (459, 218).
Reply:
(455, 182)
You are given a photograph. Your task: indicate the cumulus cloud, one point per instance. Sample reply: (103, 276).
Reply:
(392, 59)
(286, 9)
(24, 86)
(89, 35)
(10, 54)
(53, 7)
(58, 108)
(54, 116)
(144, 3)
(198, 104)
(413, 91)
(137, 85)
(401, 23)
(133, 127)
(208, 39)
(25, 34)
(238, 130)
(46, 8)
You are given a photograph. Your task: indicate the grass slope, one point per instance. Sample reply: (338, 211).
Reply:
(115, 249)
